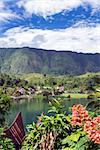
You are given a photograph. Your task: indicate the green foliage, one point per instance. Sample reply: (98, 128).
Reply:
(57, 126)
(56, 132)
(77, 140)
(94, 95)
(5, 143)
(94, 105)
(4, 107)
(55, 106)
(9, 81)
(28, 60)
(84, 84)
(91, 96)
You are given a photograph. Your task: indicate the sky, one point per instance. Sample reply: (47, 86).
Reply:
(69, 25)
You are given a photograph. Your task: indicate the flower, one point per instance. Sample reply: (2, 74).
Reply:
(92, 128)
(97, 121)
(79, 115)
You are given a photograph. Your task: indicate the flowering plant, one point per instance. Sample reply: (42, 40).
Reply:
(58, 131)
(90, 125)
(79, 115)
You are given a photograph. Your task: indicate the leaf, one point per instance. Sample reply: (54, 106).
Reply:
(56, 102)
(73, 137)
(68, 141)
(53, 109)
(68, 118)
(82, 133)
(67, 148)
(83, 147)
(81, 142)
(46, 118)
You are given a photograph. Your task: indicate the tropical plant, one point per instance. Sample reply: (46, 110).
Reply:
(4, 107)
(5, 143)
(86, 133)
(95, 106)
(49, 130)
(60, 131)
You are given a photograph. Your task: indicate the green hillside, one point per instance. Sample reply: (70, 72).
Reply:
(30, 60)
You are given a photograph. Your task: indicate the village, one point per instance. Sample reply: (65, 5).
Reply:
(21, 92)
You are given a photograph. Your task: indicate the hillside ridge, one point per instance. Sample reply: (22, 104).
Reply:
(33, 60)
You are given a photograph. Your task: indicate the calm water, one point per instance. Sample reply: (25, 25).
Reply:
(31, 109)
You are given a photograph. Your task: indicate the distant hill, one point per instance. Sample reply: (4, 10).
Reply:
(29, 60)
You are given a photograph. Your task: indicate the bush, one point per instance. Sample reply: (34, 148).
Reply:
(91, 96)
(56, 131)
(4, 107)
(5, 143)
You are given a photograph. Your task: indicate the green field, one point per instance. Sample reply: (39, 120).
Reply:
(75, 95)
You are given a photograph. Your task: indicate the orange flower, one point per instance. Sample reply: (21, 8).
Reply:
(91, 126)
(92, 129)
(79, 115)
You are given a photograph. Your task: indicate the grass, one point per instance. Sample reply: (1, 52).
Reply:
(89, 74)
(75, 95)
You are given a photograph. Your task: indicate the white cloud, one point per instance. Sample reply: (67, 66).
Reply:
(80, 39)
(1, 5)
(47, 8)
(6, 14)
(94, 3)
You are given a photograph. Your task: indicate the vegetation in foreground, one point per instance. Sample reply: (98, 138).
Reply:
(59, 130)
(5, 143)
(79, 131)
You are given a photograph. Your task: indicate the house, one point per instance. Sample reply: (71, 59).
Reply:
(59, 89)
(19, 91)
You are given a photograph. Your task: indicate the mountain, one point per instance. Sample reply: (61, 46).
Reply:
(28, 60)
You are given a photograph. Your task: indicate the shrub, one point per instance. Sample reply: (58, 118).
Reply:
(91, 96)
(5, 143)
(57, 131)
(4, 107)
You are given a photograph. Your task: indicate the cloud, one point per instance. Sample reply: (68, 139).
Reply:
(80, 39)
(1, 5)
(47, 8)
(6, 14)
(94, 3)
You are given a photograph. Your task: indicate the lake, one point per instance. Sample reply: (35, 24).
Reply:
(31, 109)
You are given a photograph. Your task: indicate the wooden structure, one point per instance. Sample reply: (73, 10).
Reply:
(16, 131)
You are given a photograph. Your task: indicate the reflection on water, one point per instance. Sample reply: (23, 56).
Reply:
(31, 109)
